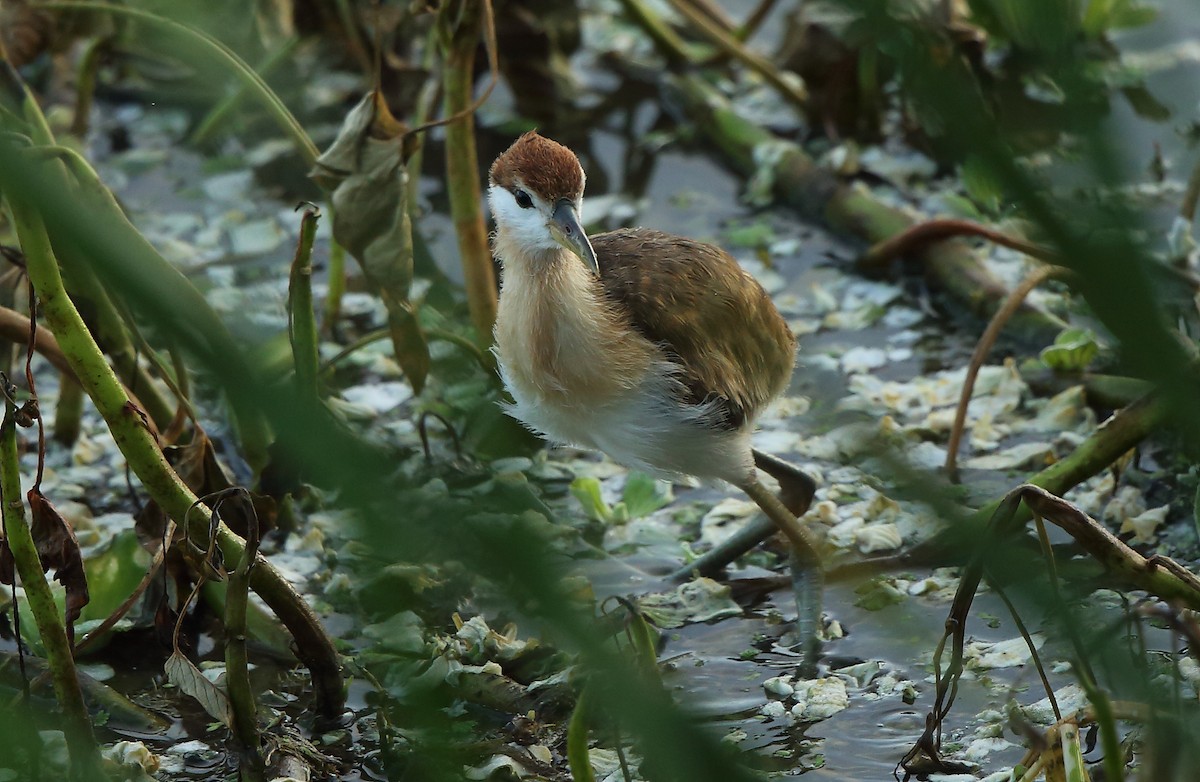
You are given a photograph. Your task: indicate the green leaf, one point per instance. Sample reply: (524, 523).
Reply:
(878, 594)
(112, 574)
(1132, 15)
(643, 495)
(587, 491)
(751, 235)
(981, 186)
(1073, 350)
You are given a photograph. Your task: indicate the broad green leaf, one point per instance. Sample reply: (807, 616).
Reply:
(878, 594)
(1072, 351)
(643, 495)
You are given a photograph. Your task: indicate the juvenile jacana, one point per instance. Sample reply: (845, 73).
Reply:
(655, 349)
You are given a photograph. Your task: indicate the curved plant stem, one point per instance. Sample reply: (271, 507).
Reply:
(78, 726)
(917, 237)
(142, 451)
(1007, 308)
(14, 327)
(85, 88)
(221, 54)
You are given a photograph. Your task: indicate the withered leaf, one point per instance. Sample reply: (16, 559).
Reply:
(58, 549)
(364, 169)
(188, 678)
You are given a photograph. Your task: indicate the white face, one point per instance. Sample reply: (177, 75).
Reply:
(528, 226)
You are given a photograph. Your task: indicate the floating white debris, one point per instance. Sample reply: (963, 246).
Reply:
(230, 187)
(488, 769)
(779, 686)
(1127, 504)
(820, 699)
(725, 518)
(883, 536)
(1071, 700)
(1144, 525)
(979, 749)
(1023, 455)
(1065, 411)
(379, 397)
(860, 359)
(926, 455)
(845, 534)
(132, 753)
(983, 655)
(256, 237)
(773, 710)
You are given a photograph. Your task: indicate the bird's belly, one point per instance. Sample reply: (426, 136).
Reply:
(643, 427)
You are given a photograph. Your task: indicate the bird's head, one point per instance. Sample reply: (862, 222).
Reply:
(536, 191)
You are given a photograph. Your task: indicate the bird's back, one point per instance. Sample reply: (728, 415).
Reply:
(712, 316)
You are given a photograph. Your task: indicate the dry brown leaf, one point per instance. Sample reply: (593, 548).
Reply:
(58, 549)
(364, 169)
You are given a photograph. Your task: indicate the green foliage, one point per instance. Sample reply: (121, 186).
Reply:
(642, 496)
(1102, 16)
(1051, 27)
(1072, 351)
(877, 594)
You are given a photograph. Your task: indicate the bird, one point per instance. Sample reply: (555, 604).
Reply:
(658, 350)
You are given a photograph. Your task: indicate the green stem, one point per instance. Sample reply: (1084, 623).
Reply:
(302, 323)
(221, 54)
(577, 741)
(78, 726)
(462, 165)
(85, 89)
(142, 451)
(336, 288)
(674, 49)
(237, 669)
(68, 413)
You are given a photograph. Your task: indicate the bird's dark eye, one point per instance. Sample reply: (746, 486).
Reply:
(523, 199)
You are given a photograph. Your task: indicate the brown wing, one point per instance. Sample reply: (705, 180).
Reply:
(703, 308)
